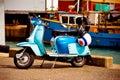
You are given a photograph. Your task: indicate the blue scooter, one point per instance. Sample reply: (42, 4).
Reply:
(65, 48)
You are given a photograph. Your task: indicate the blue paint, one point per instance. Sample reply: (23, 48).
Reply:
(105, 39)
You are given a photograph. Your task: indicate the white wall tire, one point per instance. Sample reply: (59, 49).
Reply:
(25, 61)
(78, 61)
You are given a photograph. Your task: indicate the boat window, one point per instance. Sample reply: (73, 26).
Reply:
(64, 19)
(72, 20)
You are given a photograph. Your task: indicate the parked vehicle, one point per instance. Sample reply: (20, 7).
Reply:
(65, 48)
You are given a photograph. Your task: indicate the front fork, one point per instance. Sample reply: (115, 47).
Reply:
(20, 55)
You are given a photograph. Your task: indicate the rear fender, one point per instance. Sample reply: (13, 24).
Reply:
(33, 46)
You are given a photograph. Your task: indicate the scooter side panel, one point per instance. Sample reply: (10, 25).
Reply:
(72, 48)
(75, 48)
(61, 44)
(33, 46)
(83, 50)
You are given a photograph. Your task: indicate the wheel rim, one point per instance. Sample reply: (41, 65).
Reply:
(24, 60)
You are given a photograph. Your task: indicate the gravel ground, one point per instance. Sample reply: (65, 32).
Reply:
(62, 71)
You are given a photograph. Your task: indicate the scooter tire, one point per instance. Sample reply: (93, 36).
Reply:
(78, 61)
(20, 63)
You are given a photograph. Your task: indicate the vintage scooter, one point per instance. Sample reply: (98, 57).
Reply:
(66, 48)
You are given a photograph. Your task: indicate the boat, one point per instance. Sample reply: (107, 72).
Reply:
(55, 28)
(101, 37)
(107, 34)
(105, 39)
(66, 25)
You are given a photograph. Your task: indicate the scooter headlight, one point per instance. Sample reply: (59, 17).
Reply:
(36, 21)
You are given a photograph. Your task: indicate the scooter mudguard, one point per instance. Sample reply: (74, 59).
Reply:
(33, 46)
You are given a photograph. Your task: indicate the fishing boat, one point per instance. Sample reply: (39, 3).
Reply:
(66, 25)
(102, 35)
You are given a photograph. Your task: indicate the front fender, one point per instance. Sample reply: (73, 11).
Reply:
(33, 46)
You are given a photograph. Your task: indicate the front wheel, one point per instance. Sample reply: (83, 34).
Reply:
(25, 61)
(78, 61)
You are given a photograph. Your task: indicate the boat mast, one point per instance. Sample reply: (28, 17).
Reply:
(78, 6)
(87, 5)
(52, 5)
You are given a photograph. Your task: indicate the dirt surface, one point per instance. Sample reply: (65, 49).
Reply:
(62, 71)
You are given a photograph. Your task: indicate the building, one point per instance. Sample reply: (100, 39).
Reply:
(2, 25)
(63, 4)
(84, 5)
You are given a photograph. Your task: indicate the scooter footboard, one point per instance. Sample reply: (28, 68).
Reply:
(33, 46)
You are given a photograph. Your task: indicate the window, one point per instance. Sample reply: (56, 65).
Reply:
(72, 20)
(64, 19)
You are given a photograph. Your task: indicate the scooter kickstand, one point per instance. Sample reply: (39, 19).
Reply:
(54, 63)
(42, 62)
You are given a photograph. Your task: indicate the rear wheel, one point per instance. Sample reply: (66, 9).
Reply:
(25, 61)
(78, 61)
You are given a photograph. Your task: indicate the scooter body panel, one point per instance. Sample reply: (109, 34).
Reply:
(38, 38)
(75, 48)
(33, 46)
(35, 41)
(69, 45)
(61, 43)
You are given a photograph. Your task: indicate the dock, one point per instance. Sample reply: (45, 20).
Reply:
(63, 71)
(110, 29)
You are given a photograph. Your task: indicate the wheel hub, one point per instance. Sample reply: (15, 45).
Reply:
(23, 60)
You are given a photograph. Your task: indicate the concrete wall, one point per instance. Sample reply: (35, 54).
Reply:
(2, 23)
